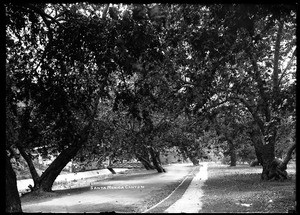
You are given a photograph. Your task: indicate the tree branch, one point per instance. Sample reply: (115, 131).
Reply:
(287, 67)
(32, 169)
(276, 62)
(288, 157)
(260, 85)
(251, 110)
(42, 14)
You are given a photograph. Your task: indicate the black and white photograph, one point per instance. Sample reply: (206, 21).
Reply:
(150, 107)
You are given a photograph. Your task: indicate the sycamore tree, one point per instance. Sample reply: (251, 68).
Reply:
(61, 60)
(56, 81)
(239, 54)
(153, 59)
(260, 72)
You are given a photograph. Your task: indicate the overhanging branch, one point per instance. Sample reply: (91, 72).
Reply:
(276, 62)
(260, 85)
(249, 106)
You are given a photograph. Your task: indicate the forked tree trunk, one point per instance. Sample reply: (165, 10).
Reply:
(266, 156)
(146, 163)
(155, 161)
(12, 199)
(190, 155)
(145, 159)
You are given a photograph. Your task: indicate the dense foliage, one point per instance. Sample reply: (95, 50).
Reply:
(134, 80)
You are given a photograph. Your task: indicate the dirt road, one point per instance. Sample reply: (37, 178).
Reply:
(136, 192)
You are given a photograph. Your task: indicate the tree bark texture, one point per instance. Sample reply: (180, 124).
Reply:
(32, 169)
(192, 156)
(48, 177)
(266, 156)
(232, 152)
(12, 199)
(146, 163)
(233, 157)
(155, 161)
(288, 157)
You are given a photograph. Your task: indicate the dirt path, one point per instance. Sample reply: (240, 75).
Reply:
(123, 193)
(190, 202)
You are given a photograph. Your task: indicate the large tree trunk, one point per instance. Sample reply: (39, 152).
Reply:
(109, 167)
(258, 156)
(48, 177)
(155, 161)
(194, 160)
(13, 202)
(232, 152)
(265, 152)
(190, 155)
(146, 163)
(233, 157)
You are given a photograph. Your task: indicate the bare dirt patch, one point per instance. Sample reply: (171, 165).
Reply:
(239, 189)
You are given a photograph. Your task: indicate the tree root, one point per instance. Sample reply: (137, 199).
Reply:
(276, 171)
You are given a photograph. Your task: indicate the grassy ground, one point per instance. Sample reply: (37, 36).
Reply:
(239, 189)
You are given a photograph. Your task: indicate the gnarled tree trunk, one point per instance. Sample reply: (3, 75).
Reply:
(12, 199)
(265, 152)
